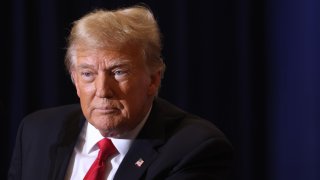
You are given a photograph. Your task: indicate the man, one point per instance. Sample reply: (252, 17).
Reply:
(115, 63)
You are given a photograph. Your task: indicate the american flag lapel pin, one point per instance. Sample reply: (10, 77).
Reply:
(139, 162)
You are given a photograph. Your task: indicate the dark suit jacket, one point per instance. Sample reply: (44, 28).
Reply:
(173, 145)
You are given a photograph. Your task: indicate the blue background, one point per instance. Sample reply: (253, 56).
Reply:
(251, 67)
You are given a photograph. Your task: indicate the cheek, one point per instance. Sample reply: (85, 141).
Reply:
(85, 92)
(137, 96)
(134, 94)
(86, 88)
(136, 91)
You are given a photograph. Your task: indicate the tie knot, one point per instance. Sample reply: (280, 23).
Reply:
(98, 168)
(107, 148)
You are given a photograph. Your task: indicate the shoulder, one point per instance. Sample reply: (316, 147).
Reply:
(194, 130)
(178, 126)
(50, 118)
(189, 142)
(179, 120)
(55, 111)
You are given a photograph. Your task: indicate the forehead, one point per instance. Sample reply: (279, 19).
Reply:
(129, 56)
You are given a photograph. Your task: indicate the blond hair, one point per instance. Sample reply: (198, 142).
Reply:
(115, 29)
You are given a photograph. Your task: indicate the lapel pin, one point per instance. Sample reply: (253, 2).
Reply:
(139, 162)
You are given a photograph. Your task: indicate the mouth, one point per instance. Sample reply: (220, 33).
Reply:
(107, 110)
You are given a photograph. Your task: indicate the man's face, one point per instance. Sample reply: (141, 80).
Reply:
(115, 89)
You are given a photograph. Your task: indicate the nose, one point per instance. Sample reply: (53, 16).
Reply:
(104, 86)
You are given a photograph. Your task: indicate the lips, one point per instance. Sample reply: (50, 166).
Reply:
(107, 110)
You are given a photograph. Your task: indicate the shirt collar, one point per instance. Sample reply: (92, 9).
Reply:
(91, 136)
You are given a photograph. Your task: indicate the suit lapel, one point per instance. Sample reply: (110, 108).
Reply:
(62, 151)
(61, 161)
(139, 157)
(144, 149)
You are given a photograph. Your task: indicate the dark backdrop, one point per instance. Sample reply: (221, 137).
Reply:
(249, 66)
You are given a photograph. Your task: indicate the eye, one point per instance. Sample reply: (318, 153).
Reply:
(87, 75)
(119, 73)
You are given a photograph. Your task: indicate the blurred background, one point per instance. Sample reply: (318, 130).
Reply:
(251, 67)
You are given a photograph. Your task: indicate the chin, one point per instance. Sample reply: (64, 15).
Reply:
(112, 134)
(108, 130)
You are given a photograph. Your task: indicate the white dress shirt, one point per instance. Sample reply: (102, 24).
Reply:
(86, 151)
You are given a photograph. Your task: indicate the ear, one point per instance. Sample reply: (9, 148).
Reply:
(154, 83)
(74, 78)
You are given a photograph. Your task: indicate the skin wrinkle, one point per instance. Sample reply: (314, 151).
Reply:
(116, 89)
(114, 59)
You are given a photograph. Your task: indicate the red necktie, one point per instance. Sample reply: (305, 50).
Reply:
(98, 168)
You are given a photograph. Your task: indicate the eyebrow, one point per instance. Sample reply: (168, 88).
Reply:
(111, 65)
(118, 62)
(85, 66)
